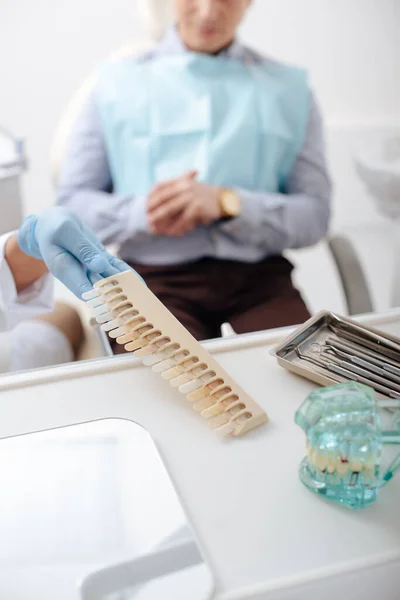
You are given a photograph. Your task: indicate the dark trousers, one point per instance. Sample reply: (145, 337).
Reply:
(209, 292)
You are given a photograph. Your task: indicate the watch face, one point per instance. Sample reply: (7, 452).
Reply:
(231, 204)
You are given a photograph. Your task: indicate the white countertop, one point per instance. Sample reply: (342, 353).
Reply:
(262, 533)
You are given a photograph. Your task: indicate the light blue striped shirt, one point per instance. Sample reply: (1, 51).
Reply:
(268, 223)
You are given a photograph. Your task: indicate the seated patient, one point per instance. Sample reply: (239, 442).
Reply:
(204, 161)
(32, 336)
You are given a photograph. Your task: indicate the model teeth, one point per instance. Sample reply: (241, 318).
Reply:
(331, 466)
(357, 465)
(343, 468)
(337, 465)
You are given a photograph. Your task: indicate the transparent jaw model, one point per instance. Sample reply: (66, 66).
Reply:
(346, 444)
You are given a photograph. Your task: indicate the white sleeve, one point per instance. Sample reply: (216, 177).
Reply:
(34, 300)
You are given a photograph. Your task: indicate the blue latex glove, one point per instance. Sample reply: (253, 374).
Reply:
(69, 248)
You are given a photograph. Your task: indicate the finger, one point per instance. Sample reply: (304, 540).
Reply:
(162, 185)
(112, 270)
(184, 223)
(116, 265)
(191, 174)
(168, 194)
(160, 196)
(181, 229)
(70, 272)
(74, 239)
(161, 227)
(92, 237)
(169, 209)
(169, 182)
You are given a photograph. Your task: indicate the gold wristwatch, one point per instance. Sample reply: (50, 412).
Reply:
(229, 202)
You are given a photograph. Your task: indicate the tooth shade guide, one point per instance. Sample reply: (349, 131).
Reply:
(136, 345)
(164, 366)
(151, 360)
(111, 325)
(144, 326)
(140, 326)
(134, 320)
(230, 404)
(119, 301)
(110, 292)
(187, 388)
(99, 310)
(127, 314)
(158, 348)
(91, 295)
(104, 318)
(149, 332)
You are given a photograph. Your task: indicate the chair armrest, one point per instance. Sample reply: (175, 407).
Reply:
(357, 294)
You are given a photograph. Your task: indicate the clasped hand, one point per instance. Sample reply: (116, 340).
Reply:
(177, 206)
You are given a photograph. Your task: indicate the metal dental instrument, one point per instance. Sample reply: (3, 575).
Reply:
(365, 354)
(358, 370)
(369, 365)
(348, 374)
(354, 328)
(393, 352)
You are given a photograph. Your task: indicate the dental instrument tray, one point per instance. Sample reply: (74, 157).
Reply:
(330, 349)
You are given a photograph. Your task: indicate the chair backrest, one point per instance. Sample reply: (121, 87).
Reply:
(355, 287)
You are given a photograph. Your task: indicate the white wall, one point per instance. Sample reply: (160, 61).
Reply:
(351, 49)
(47, 48)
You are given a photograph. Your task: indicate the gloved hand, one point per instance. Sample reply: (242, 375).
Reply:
(69, 248)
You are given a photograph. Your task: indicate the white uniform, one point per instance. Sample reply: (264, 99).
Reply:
(31, 344)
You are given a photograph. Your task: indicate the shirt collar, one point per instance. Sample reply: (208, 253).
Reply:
(173, 44)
